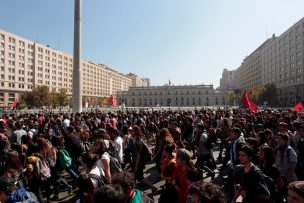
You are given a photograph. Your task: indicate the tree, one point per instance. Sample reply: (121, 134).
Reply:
(269, 94)
(234, 97)
(62, 98)
(38, 97)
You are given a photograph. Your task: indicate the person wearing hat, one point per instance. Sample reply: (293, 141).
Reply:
(9, 192)
(183, 164)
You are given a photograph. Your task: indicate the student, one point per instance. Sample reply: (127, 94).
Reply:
(202, 192)
(296, 192)
(183, 163)
(253, 187)
(127, 182)
(9, 192)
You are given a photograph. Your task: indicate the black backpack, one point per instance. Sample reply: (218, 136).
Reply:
(115, 166)
(272, 187)
(147, 153)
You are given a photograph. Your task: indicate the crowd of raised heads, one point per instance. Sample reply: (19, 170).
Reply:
(101, 157)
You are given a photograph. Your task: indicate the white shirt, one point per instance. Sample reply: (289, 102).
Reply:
(95, 171)
(118, 144)
(105, 156)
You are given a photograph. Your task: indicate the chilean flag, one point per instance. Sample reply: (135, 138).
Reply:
(112, 100)
(298, 108)
(14, 104)
(248, 103)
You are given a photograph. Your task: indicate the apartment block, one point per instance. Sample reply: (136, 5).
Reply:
(25, 64)
(279, 60)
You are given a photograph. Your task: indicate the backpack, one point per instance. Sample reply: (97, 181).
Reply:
(64, 158)
(77, 148)
(272, 188)
(99, 179)
(38, 166)
(113, 151)
(21, 195)
(287, 152)
(209, 144)
(115, 166)
(146, 157)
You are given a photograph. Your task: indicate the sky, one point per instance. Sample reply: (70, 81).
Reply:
(184, 41)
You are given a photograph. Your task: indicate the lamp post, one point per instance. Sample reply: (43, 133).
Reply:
(77, 90)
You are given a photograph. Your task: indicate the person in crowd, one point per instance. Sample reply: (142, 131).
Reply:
(203, 192)
(117, 141)
(269, 168)
(237, 141)
(127, 147)
(100, 147)
(139, 154)
(17, 134)
(183, 165)
(272, 141)
(127, 182)
(300, 153)
(253, 187)
(110, 193)
(296, 192)
(9, 192)
(74, 147)
(164, 138)
(286, 158)
(87, 189)
(89, 163)
(204, 150)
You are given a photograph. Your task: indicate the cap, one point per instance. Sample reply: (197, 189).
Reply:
(183, 154)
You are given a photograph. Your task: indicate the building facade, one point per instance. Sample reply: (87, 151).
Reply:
(139, 82)
(25, 64)
(188, 95)
(279, 60)
(227, 80)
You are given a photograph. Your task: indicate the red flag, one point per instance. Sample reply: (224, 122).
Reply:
(14, 104)
(248, 103)
(112, 100)
(298, 107)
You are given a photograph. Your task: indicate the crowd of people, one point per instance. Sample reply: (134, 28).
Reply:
(105, 154)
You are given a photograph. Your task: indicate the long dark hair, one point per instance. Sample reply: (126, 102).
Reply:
(90, 159)
(86, 189)
(269, 156)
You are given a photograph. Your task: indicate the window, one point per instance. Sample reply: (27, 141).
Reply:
(1, 36)
(12, 40)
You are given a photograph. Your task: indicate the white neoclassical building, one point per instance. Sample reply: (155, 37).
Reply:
(187, 95)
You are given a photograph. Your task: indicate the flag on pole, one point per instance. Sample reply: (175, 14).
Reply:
(248, 103)
(112, 100)
(298, 108)
(14, 104)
